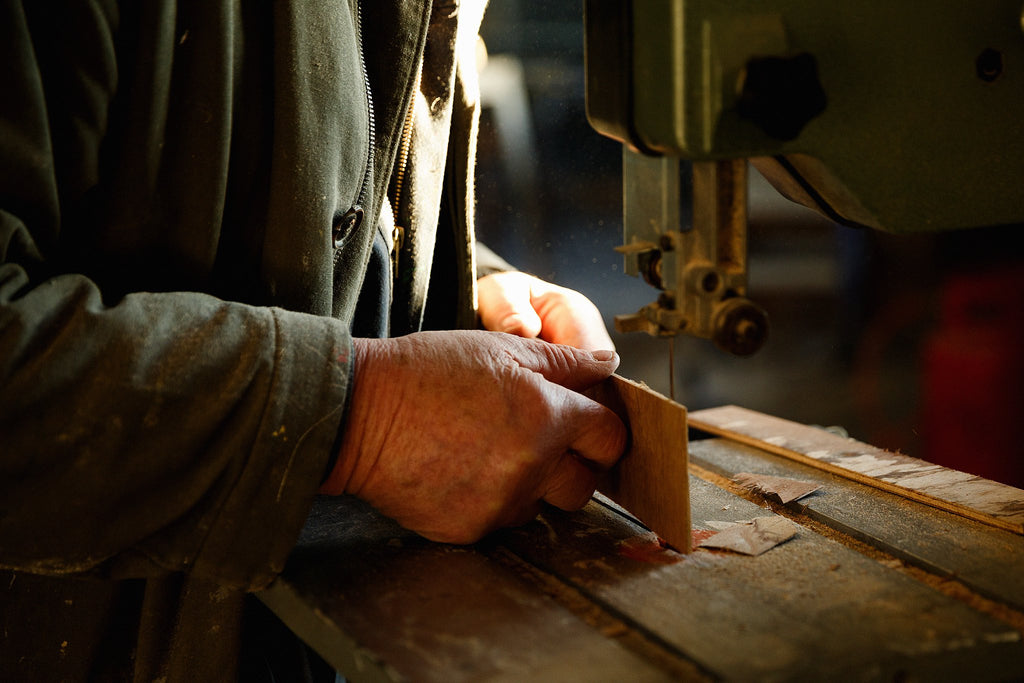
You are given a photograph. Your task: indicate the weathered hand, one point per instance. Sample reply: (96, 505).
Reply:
(527, 306)
(454, 434)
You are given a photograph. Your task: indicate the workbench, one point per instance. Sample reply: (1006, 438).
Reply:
(872, 587)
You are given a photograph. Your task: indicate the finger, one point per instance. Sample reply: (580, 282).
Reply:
(571, 484)
(568, 317)
(595, 433)
(567, 366)
(505, 305)
(581, 425)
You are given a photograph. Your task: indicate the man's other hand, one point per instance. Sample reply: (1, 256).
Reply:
(454, 434)
(527, 306)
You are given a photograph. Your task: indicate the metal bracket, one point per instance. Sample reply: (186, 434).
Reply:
(685, 231)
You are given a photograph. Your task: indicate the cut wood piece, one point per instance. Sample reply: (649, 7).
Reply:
(752, 538)
(651, 479)
(965, 494)
(780, 488)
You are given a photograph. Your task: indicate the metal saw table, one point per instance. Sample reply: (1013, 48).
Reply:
(872, 587)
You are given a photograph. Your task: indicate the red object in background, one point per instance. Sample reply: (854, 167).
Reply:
(973, 377)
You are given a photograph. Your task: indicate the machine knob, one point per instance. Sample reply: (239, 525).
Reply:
(781, 94)
(740, 326)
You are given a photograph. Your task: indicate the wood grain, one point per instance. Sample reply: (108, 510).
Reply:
(567, 597)
(984, 558)
(965, 494)
(651, 479)
(810, 609)
(381, 604)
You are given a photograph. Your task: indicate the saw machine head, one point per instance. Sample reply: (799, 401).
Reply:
(876, 114)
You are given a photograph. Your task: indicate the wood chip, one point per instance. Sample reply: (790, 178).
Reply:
(781, 489)
(753, 538)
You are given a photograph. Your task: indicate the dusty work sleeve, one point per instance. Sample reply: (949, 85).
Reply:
(144, 433)
(170, 431)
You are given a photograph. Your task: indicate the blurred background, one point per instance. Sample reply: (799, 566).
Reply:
(910, 343)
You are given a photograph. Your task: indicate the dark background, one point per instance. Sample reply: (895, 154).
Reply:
(907, 342)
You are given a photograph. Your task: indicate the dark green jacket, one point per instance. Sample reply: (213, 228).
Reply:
(189, 198)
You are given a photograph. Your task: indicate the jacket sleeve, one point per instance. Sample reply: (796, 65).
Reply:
(488, 262)
(159, 432)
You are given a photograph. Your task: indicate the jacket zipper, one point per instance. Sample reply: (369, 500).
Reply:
(399, 232)
(355, 213)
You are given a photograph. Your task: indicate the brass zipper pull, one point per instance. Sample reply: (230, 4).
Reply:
(398, 237)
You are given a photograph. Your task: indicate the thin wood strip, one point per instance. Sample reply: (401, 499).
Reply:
(964, 494)
(651, 480)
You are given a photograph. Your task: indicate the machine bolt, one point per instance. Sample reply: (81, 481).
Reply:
(709, 283)
(740, 327)
(649, 264)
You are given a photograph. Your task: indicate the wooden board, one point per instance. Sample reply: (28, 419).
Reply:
(380, 603)
(651, 480)
(809, 609)
(591, 596)
(965, 494)
(985, 559)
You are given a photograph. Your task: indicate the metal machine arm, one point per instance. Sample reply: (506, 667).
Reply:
(877, 114)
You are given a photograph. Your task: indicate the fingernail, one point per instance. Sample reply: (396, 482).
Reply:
(604, 355)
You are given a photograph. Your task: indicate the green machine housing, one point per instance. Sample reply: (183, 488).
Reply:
(903, 117)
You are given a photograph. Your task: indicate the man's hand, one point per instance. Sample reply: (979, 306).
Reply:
(527, 306)
(454, 434)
